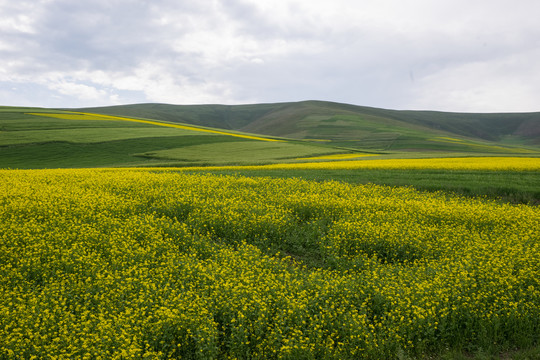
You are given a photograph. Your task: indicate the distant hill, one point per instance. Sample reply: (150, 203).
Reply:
(35, 138)
(200, 135)
(356, 127)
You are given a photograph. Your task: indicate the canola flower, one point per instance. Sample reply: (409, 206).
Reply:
(450, 163)
(158, 264)
(90, 116)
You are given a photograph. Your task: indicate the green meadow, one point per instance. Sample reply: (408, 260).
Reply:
(306, 129)
(30, 141)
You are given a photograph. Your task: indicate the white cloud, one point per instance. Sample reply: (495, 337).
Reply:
(504, 84)
(451, 55)
(81, 91)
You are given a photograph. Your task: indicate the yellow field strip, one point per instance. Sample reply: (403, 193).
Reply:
(90, 116)
(465, 163)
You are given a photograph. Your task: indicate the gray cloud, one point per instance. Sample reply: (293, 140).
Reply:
(459, 56)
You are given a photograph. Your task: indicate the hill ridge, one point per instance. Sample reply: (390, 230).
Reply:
(348, 125)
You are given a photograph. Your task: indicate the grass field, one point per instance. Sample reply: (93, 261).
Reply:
(46, 138)
(369, 236)
(34, 138)
(239, 152)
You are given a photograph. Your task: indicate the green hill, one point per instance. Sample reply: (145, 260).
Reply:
(357, 127)
(177, 135)
(48, 138)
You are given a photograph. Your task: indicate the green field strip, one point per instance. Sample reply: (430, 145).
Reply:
(88, 135)
(110, 153)
(241, 152)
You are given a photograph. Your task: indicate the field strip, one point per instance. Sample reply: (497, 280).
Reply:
(90, 116)
(465, 163)
(449, 140)
(335, 157)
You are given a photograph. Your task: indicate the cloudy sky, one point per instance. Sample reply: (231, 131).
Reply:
(450, 55)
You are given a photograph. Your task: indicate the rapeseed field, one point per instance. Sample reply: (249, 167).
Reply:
(159, 264)
(495, 163)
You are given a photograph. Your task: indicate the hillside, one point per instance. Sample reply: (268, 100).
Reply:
(47, 138)
(356, 127)
(199, 135)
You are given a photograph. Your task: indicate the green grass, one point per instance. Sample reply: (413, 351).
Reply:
(61, 154)
(89, 135)
(532, 353)
(19, 121)
(245, 152)
(31, 142)
(218, 116)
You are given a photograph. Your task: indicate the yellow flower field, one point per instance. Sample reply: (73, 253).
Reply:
(450, 163)
(158, 264)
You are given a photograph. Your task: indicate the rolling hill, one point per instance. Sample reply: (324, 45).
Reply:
(356, 127)
(199, 135)
(48, 138)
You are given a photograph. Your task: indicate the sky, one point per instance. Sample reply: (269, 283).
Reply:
(446, 55)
